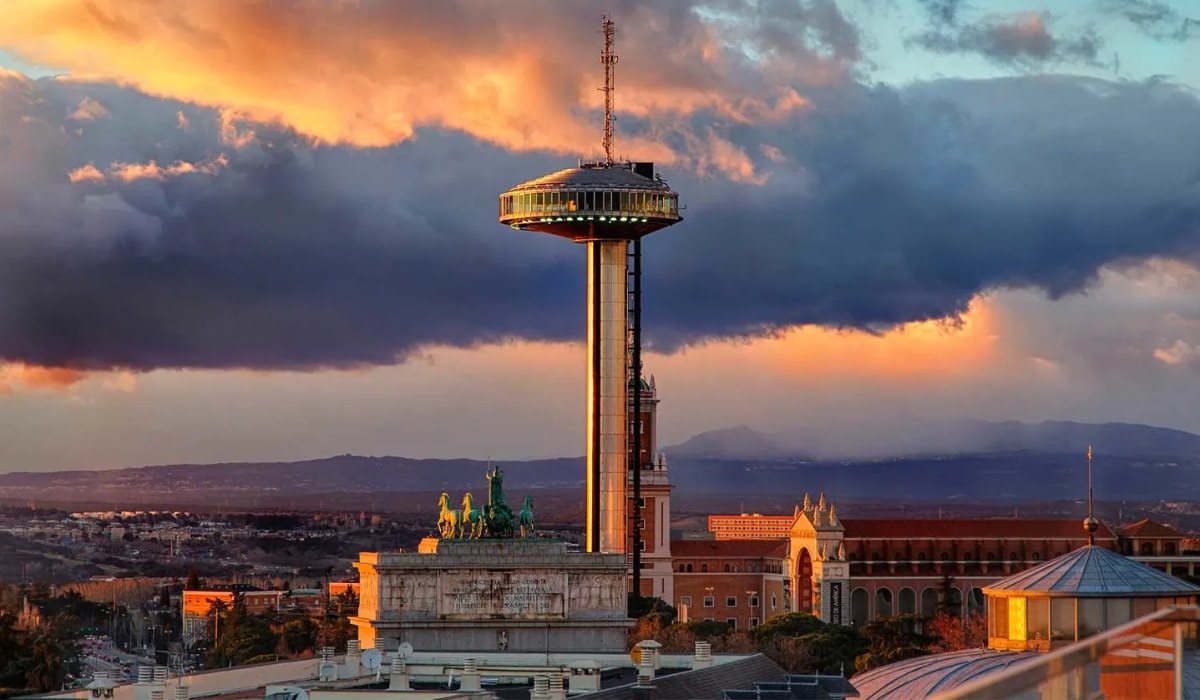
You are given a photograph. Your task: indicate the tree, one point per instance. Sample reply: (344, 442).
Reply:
(949, 597)
(892, 639)
(953, 633)
(12, 673)
(787, 625)
(834, 649)
(193, 581)
(242, 636)
(299, 636)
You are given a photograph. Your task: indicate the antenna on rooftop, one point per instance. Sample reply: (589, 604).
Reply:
(609, 60)
(1090, 524)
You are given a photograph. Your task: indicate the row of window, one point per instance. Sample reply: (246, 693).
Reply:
(1059, 618)
(968, 557)
(732, 568)
(864, 607)
(563, 203)
(730, 601)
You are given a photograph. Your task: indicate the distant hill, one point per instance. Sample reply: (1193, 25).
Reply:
(740, 441)
(954, 438)
(968, 461)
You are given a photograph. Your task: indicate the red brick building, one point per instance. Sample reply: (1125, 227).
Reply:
(851, 571)
(742, 582)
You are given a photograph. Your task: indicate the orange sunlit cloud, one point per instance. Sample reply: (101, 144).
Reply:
(15, 377)
(371, 75)
(914, 351)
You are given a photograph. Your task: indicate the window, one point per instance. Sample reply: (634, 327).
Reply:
(704, 568)
(731, 601)
(710, 602)
(753, 601)
(754, 622)
(689, 568)
(685, 600)
(642, 502)
(708, 619)
(1169, 548)
(732, 622)
(1147, 549)
(642, 545)
(774, 602)
(726, 568)
(642, 524)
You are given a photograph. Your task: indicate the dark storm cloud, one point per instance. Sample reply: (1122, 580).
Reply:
(942, 12)
(244, 245)
(1154, 17)
(919, 199)
(1021, 38)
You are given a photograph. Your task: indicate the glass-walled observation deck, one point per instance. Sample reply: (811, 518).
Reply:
(596, 201)
(621, 204)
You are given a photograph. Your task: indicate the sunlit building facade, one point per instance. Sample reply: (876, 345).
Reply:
(852, 571)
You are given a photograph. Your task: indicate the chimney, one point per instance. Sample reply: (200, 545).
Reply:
(327, 670)
(557, 692)
(470, 677)
(541, 688)
(351, 664)
(703, 657)
(645, 668)
(652, 649)
(399, 676)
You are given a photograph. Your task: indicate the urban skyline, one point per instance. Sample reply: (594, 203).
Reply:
(928, 211)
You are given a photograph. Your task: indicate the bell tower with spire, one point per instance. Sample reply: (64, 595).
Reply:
(654, 523)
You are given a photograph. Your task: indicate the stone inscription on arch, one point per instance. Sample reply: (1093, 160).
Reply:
(491, 595)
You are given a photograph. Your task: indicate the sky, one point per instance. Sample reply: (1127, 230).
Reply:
(266, 231)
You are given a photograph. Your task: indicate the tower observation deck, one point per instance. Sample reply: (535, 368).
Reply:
(608, 206)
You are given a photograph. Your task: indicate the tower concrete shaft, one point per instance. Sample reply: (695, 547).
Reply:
(608, 411)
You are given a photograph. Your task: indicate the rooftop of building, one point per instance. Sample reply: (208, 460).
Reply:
(1149, 528)
(1094, 572)
(226, 588)
(927, 676)
(971, 529)
(701, 683)
(917, 679)
(616, 176)
(683, 549)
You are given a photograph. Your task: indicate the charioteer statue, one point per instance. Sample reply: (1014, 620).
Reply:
(493, 521)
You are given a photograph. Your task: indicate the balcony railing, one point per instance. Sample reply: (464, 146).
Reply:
(1154, 656)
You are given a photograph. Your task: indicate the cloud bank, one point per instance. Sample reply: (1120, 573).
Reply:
(232, 218)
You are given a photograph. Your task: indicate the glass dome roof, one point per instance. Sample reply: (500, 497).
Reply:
(1092, 572)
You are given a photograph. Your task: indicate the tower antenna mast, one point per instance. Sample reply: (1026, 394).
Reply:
(1090, 524)
(609, 60)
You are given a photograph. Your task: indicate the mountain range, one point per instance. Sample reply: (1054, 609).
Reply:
(968, 460)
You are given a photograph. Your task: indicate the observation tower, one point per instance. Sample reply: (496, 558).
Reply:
(608, 205)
